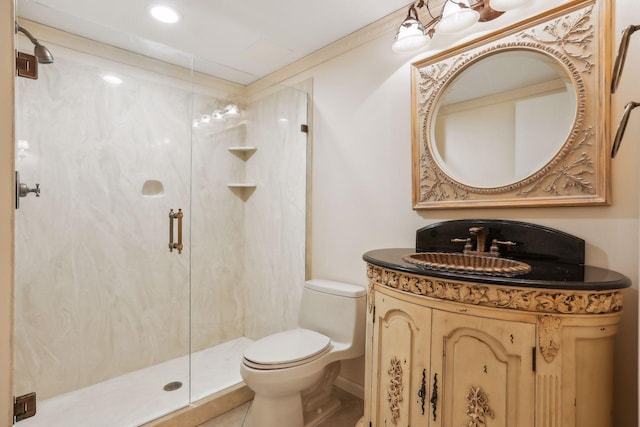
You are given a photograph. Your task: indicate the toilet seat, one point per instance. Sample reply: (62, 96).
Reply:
(286, 349)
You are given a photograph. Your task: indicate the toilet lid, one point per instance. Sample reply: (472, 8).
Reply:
(287, 347)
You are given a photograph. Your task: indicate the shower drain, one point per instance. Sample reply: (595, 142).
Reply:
(174, 385)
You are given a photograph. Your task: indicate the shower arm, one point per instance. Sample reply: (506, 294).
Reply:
(28, 34)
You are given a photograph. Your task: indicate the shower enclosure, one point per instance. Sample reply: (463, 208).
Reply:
(112, 327)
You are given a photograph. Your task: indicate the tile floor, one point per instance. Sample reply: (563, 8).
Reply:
(349, 413)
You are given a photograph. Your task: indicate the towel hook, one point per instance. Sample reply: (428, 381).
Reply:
(622, 127)
(622, 55)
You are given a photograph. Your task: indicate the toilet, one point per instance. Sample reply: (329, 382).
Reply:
(292, 372)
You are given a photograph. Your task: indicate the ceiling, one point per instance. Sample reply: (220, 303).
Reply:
(240, 41)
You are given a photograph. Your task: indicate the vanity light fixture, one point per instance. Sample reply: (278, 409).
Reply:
(165, 14)
(454, 16)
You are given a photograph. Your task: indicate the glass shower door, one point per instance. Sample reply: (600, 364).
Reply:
(102, 304)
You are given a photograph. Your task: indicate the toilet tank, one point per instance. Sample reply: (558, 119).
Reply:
(336, 310)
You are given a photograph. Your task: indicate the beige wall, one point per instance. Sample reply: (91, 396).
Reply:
(362, 183)
(6, 208)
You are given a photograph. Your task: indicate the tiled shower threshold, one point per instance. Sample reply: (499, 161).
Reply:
(139, 397)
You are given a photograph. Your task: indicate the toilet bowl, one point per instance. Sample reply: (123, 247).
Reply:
(292, 372)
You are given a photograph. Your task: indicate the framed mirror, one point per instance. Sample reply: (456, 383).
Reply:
(519, 120)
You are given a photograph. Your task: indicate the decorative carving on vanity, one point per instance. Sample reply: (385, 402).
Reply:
(477, 408)
(370, 297)
(517, 298)
(394, 393)
(549, 337)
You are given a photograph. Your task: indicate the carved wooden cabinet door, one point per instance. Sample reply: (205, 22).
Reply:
(484, 369)
(401, 333)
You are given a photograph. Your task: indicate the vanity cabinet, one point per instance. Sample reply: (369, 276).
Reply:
(400, 333)
(485, 370)
(455, 353)
(436, 366)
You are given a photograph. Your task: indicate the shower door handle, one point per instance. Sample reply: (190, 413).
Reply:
(175, 215)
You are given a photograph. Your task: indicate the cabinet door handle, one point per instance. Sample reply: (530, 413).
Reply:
(434, 396)
(422, 393)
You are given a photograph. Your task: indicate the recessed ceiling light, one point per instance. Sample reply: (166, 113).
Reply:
(165, 14)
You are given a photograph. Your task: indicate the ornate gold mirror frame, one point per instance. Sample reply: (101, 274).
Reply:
(577, 36)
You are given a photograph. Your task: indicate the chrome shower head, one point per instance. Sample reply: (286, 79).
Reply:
(42, 54)
(39, 51)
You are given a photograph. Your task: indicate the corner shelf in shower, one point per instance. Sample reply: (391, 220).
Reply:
(242, 189)
(242, 151)
(241, 185)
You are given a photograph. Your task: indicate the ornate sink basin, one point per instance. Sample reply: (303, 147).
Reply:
(468, 263)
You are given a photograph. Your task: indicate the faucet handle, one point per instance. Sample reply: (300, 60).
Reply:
(467, 242)
(23, 190)
(495, 250)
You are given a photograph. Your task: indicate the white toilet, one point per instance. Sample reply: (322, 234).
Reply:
(292, 372)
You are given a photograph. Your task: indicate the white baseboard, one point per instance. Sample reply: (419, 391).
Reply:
(350, 387)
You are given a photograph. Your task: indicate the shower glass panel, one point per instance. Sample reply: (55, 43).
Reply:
(112, 328)
(102, 305)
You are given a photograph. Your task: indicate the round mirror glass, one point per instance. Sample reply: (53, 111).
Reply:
(503, 117)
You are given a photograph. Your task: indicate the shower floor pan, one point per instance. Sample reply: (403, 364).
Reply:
(139, 397)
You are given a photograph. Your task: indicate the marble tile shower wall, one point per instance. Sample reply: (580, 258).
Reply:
(275, 215)
(217, 238)
(97, 292)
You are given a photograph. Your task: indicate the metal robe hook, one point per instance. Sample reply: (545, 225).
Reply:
(622, 127)
(622, 55)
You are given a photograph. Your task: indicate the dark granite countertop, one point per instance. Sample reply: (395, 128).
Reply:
(548, 275)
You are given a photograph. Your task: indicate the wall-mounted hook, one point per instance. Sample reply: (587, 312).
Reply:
(622, 55)
(622, 127)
